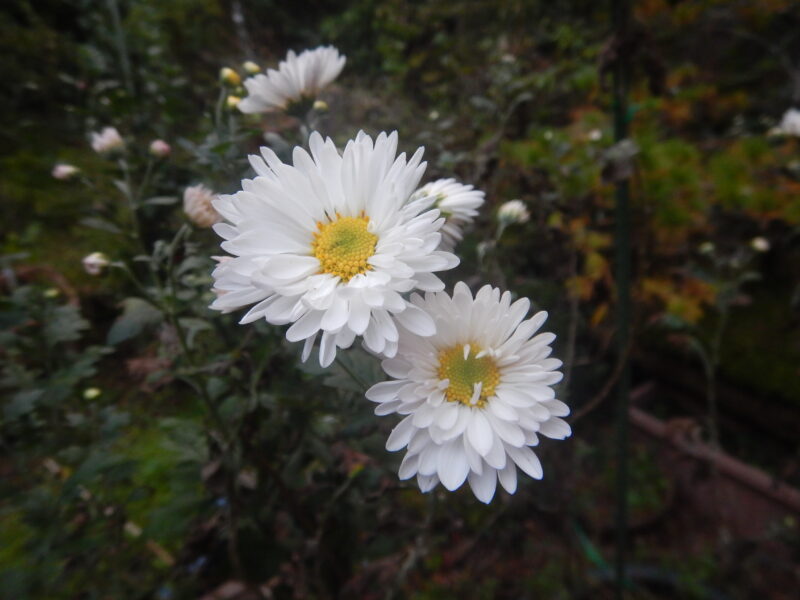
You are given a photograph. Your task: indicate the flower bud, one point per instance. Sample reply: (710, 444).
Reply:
(229, 77)
(251, 68)
(706, 248)
(91, 393)
(160, 148)
(197, 204)
(107, 140)
(95, 263)
(232, 101)
(320, 106)
(63, 171)
(760, 244)
(513, 211)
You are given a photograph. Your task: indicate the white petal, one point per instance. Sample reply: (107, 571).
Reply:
(452, 465)
(416, 321)
(508, 477)
(400, 435)
(526, 460)
(483, 485)
(480, 433)
(555, 428)
(385, 391)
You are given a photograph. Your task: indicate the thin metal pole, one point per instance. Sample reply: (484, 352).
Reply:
(620, 10)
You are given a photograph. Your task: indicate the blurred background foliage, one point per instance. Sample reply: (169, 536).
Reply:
(152, 449)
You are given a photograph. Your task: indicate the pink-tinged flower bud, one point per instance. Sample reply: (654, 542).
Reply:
(197, 204)
(160, 148)
(63, 171)
(107, 140)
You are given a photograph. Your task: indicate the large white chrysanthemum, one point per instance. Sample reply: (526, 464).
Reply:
(458, 204)
(331, 243)
(299, 77)
(476, 395)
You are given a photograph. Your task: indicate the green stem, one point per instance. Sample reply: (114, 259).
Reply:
(620, 10)
(122, 48)
(352, 375)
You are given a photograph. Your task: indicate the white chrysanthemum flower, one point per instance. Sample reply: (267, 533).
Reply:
(64, 171)
(458, 204)
(790, 123)
(198, 204)
(513, 211)
(107, 140)
(298, 78)
(476, 395)
(331, 243)
(95, 263)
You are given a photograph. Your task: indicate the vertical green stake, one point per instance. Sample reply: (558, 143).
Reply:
(620, 10)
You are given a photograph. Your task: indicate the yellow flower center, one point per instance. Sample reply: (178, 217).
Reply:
(464, 372)
(344, 246)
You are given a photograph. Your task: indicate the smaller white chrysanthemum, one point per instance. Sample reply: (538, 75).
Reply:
(299, 78)
(513, 211)
(160, 148)
(457, 203)
(760, 244)
(790, 123)
(476, 395)
(95, 263)
(107, 140)
(63, 171)
(198, 206)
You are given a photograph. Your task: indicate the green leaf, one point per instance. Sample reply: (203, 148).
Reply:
(161, 201)
(193, 326)
(64, 324)
(101, 224)
(137, 314)
(22, 403)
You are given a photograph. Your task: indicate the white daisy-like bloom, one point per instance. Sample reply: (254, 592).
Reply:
(513, 211)
(298, 78)
(458, 204)
(95, 263)
(198, 204)
(107, 140)
(790, 123)
(330, 243)
(476, 395)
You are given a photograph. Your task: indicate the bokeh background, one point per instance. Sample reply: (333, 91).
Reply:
(116, 481)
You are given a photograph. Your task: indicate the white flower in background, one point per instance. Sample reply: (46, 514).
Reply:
(198, 206)
(790, 123)
(476, 395)
(458, 204)
(299, 77)
(63, 171)
(513, 211)
(160, 148)
(760, 244)
(706, 248)
(107, 140)
(330, 244)
(95, 263)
